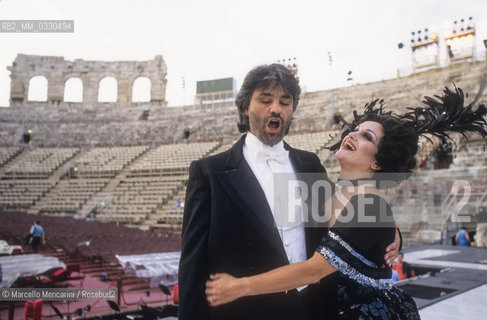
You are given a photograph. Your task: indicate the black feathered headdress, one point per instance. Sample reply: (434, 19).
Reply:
(437, 117)
(374, 108)
(447, 114)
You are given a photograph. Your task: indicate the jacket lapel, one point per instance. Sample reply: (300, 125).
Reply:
(300, 165)
(245, 191)
(313, 232)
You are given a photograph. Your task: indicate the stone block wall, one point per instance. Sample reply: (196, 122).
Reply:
(124, 123)
(57, 71)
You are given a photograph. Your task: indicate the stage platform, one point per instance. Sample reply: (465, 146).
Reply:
(452, 281)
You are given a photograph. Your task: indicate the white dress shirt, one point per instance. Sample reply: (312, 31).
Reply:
(292, 236)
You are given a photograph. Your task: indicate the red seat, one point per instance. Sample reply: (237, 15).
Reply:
(175, 294)
(33, 310)
(67, 274)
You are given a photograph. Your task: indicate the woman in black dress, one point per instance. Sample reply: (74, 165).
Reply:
(377, 146)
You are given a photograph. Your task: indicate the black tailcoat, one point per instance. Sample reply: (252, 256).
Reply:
(228, 227)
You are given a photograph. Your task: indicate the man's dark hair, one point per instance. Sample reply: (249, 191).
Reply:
(38, 222)
(265, 77)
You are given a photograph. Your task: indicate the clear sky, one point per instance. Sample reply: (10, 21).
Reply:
(211, 39)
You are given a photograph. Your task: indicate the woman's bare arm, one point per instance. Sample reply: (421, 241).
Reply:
(223, 288)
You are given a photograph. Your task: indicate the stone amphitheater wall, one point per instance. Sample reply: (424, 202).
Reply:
(124, 123)
(57, 71)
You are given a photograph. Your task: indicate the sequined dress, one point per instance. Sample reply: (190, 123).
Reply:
(355, 246)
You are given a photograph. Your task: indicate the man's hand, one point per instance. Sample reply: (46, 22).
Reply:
(392, 250)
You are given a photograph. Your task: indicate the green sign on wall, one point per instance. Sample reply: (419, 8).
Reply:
(218, 85)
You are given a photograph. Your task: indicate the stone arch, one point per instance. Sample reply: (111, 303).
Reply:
(141, 89)
(108, 89)
(57, 70)
(73, 90)
(38, 86)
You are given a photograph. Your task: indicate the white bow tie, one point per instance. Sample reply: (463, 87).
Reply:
(280, 156)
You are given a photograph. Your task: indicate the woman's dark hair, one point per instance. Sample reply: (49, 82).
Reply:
(436, 117)
(397, 147)
(265, 77)
(399, 144)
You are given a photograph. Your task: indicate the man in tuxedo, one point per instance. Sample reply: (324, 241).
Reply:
(229, 222)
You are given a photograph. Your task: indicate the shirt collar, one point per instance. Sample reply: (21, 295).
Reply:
(254, 145)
